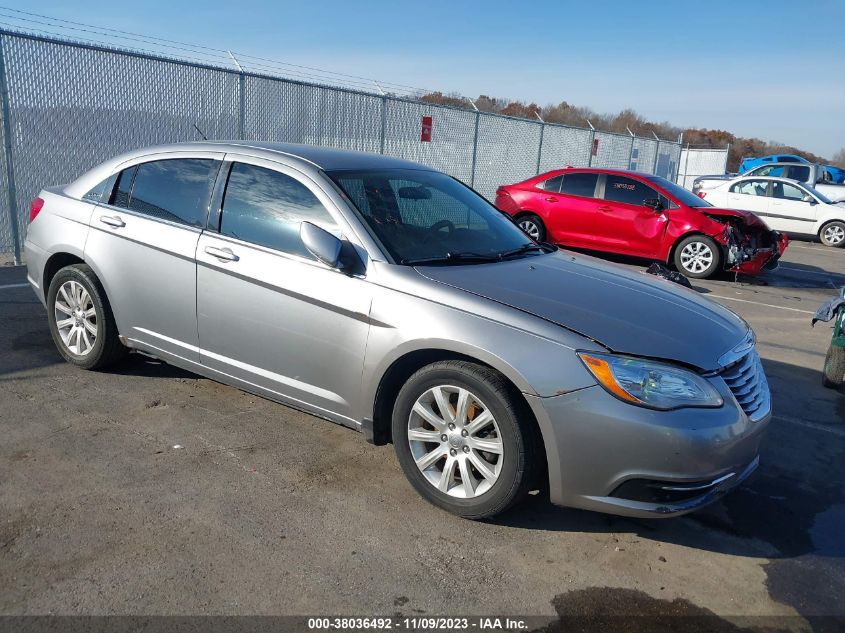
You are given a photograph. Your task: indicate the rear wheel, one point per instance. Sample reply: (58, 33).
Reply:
(833, 234)
(834, 367)
(81, 319)
(463, 439)
(698, 256)
(532, 226)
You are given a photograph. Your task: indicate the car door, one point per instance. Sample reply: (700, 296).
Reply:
(574, 211)
(625, 224)
(749, 194)
(788, 209)
(269, 314)
(143, 242)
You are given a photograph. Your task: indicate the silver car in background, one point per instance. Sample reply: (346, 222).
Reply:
(392, 299)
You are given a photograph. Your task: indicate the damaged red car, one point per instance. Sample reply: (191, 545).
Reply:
(636, 214)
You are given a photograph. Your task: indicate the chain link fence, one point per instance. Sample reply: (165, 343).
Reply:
(67, 106)
(697, 162)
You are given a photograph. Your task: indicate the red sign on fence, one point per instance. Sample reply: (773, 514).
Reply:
(425, 132)
(595, 147)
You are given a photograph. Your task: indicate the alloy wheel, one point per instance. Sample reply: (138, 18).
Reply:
(455, 441)
(530, 227)
(76, 318)
(696, 257)
(834, 235)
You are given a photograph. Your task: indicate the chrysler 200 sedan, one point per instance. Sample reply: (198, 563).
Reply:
(392, 299)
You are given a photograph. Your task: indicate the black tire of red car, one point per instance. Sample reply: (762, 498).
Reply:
(834, 367)
(833, 234)
(700, 244)
(532, 226)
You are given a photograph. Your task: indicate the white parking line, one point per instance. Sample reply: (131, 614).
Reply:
(810, 425)
(765, 305)
(10, 286)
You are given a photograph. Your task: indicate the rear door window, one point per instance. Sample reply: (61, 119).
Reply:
(751, 187)
(580, 184)
(267, 207)
(628, 191)
(176, 190)
(797, 172)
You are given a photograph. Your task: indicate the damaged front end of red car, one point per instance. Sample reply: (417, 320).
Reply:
(749, 246)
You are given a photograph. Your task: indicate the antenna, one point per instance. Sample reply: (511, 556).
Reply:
(202, 134)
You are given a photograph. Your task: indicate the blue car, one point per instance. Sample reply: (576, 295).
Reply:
(837, 174)
(751, 162)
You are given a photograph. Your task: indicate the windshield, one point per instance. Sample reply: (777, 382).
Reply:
(423, 216)
(681, 195)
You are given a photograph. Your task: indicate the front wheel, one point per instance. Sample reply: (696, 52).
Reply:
(698, 256)
(81, 319)
(833, 234)
(463, 439)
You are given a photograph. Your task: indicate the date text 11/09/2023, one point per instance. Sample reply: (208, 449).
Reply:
(417, 623)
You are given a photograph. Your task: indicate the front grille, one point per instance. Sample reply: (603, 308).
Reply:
(747, 381)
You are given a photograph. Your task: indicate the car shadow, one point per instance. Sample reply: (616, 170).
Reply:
(792, 505)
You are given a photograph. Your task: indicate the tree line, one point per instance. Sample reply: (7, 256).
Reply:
(568, 114)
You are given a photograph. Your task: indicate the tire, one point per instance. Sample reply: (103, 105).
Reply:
(833, 234)
(698, 256)
(834, 367)
(532, 226)
(81, 320)
(508, 427)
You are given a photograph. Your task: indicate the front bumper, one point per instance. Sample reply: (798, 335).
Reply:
(599, 449)
(764, 259)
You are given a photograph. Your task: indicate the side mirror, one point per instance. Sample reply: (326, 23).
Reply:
(321, 244)
(809, 198)
(653, 204)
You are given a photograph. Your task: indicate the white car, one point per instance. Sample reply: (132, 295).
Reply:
(785, 205)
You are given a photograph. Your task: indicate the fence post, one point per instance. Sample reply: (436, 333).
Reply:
(631, 154)
(727, 156)
(241, 95)
(592, 145)
(383, 120)
(11, 194)
(542, 133)
(686, 167)
(474, 143)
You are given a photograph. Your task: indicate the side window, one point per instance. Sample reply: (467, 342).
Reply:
(768, 170)
(751, 187)
(798, 172)
(627, 191)
(266, 207)
(176, 189)
(552, 184)
(580, 184)
(787, 159)
(96, 193)
(785, 191)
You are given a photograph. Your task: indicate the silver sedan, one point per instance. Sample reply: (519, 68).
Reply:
(390, 298)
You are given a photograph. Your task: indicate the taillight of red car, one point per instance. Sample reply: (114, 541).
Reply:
(35, 208)
(701, 195)
(504, 201)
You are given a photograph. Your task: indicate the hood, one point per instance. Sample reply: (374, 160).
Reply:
(748, 218)
(627, 312)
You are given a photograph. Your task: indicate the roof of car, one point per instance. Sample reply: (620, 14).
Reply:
(326, 158)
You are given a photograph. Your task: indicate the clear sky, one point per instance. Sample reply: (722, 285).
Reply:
(771, 69)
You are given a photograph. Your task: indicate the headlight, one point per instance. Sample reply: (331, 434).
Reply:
(650, 384)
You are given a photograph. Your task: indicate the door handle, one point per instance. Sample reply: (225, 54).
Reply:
(551, 199)
(224, 254)
(605, 209)
(112, 220)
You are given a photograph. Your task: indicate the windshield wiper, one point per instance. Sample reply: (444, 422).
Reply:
(527, 248)
(451, 258)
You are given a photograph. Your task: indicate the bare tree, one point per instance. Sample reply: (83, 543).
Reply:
(839, 158)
